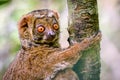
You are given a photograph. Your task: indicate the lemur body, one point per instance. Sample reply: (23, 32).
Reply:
(40, 57)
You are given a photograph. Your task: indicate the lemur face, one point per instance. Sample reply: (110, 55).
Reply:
(46, 29)
(40, 26)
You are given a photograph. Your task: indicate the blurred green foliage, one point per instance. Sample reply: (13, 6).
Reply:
(4, 3)
(25, 6)
(10, 13)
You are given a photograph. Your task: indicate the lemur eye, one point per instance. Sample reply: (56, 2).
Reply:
(55, 26)
(40, 28)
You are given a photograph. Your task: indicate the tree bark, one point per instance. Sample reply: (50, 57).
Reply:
(83, 22)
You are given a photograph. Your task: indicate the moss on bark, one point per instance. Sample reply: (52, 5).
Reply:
(83, 22)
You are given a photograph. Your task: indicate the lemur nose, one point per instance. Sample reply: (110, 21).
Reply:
(50, 35)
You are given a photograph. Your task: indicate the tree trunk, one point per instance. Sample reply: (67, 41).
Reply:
(83, 22)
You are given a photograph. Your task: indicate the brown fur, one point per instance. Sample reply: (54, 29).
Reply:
(41, 60)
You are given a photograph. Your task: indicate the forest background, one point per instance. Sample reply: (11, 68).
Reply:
(109, 17)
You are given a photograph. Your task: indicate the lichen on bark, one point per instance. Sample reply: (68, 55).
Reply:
(83, 22)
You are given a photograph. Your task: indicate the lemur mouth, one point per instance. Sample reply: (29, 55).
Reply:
(49, 40)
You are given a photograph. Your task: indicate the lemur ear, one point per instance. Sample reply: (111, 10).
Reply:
(56, 14)
(23, 26)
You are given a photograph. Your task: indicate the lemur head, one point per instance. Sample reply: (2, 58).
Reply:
(39, 27)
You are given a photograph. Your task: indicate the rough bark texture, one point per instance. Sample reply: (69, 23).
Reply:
(83, 22)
